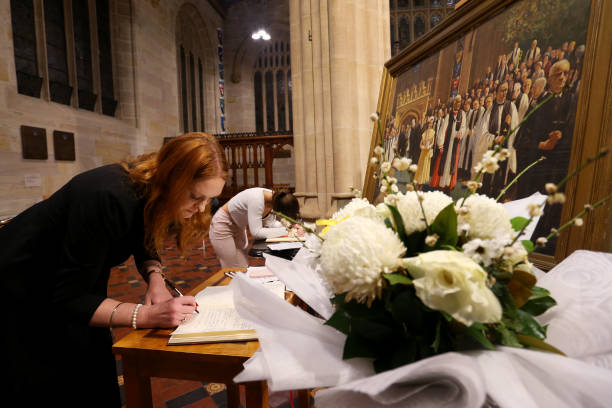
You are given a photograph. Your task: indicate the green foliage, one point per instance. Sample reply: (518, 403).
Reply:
(518, 223)
(445, 225)
(528, 245)
(397, 279)
(539, 302)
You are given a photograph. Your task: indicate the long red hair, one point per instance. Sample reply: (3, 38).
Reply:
(165, 177)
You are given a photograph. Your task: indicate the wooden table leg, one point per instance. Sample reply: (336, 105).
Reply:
(304, 398)
(256, 394)
(137, 387)
(233, 395)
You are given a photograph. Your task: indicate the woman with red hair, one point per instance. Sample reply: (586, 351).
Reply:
(55, 260)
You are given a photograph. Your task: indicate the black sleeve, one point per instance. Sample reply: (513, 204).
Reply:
(95, 219)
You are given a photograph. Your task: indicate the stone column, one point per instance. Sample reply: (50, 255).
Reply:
(338, 49)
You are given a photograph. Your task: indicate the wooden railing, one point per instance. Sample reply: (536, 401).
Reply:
(247, 155)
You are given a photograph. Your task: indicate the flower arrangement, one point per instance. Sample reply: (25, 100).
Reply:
(421, 274)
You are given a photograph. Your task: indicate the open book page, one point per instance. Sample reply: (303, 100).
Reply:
(284, 239)
(218, 319)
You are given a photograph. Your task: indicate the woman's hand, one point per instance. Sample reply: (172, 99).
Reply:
(297, 230)
(156, 291)
(170, 313)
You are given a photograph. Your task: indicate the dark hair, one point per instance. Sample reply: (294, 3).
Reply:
(285, 202)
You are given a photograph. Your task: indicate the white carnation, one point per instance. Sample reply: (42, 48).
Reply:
(487, 218)
(356, 207)
(354, 255)
(408, 206)
(451, 282)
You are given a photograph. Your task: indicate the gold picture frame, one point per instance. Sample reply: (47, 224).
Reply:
(446, 59)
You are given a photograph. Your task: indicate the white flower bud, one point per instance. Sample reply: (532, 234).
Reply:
(374, 117)
(394, 188)
(556, 198)
(385, 166)
(551, 188)
(541, 241)
(431, 240)
(578, 222)
(472, 185)
(373, 161)
(413, 168)
(379, 150)
(534, 210)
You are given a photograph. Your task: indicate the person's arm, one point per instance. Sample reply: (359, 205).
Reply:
(258, 231)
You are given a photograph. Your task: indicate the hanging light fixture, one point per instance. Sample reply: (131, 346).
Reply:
(261, 34)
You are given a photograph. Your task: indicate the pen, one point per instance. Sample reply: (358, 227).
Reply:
(174, 288)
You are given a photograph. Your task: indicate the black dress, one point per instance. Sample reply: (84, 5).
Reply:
(55, 260)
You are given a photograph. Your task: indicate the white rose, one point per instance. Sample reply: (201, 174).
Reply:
(451, 282)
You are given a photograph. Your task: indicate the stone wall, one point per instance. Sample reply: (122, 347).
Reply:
(146, 87)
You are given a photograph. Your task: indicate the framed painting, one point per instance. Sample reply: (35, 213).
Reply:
(450, 96)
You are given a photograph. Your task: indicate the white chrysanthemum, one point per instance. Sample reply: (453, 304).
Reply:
(487, 218)
(356, 207)
(354, 255)
(451, 282)
(410, 210)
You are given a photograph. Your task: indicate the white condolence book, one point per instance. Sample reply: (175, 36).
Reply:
(218, 319)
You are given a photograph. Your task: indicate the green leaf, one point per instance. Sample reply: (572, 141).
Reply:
(508, 338)
(436, 343)
(389, 224)
(518, 223)
(477, 331)
(415, 243)
(445, 225)
(370, 329)
(339, 321)
(537, 306)
(397, 278)
(538, 344)
(398, 221)
(356, 346)
(530, 326)
(407, 309)
(528, 245)
(538, 292)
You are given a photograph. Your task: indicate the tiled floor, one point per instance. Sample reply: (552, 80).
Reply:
(127, 285)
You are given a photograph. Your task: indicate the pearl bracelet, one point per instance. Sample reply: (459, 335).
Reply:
(135, 314)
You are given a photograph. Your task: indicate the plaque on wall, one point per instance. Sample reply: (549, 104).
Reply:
(33, 143)
(63, 145)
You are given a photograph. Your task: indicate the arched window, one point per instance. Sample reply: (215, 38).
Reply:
(419, 3)
(89, 69)
(272, 88)
(419, 26)
(194, 75)
(403, 4)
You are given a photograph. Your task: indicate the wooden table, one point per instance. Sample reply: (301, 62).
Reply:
(145, 353)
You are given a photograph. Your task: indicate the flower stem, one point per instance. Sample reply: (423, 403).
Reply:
(517, 177)
(580, 214)
(588, 161)
(293, 221)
